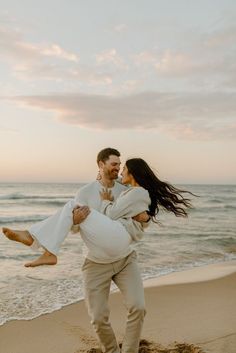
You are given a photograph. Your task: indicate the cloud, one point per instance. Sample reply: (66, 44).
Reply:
(13, 46)
(194, 116)
(111, 56)
(169, 63)
(145, 57)
(57, 51)
(46, 61)
(130, 86)
(184, 64)
(225, 36)
(57, 73)
(206, 59)
(174, 64)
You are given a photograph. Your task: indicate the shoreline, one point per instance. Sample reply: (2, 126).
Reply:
(196, 274)
(187, 275)
(195, 306)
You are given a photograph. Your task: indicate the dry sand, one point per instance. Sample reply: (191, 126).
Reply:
(194, 308)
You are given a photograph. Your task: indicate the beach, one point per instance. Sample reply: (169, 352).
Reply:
(195, 307)
(188, 268)
(207, 236)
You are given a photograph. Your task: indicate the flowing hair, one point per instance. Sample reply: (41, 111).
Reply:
(162, 194)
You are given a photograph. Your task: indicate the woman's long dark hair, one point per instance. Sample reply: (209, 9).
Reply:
(161, 193)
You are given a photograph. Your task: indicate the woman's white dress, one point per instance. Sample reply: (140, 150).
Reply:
(106, 233)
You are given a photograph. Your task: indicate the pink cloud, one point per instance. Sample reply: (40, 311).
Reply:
(174, 63)
(195, 116)
(111, 56)
(14, 46)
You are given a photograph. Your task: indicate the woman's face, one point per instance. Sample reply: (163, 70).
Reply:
(126, 176)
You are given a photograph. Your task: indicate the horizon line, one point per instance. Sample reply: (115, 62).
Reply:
(87, 182)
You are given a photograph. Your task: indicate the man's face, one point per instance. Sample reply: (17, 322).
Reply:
(111, 167)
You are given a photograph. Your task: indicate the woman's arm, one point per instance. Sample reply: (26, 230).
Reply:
(130, 203)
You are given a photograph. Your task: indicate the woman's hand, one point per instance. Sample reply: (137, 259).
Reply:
(106, 194)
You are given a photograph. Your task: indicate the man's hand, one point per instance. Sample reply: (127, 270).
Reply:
(80, 214)
(142, 217)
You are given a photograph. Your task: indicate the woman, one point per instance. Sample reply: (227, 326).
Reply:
(108, 232)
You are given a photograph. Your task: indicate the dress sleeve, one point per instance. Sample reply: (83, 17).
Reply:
(130, 203)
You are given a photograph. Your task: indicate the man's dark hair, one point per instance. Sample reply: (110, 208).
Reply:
(104, 154)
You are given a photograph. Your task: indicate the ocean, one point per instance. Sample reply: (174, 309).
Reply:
(207, 236)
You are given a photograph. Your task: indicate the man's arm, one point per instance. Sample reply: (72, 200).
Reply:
(80, 214)
(142, 217)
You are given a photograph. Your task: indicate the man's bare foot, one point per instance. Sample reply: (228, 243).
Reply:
(46, 259)
(22, 236)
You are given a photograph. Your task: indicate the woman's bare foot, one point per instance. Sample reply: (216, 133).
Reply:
(22, 236)
(46, 259)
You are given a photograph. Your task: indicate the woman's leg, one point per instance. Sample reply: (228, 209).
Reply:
(49, 234)
(24, 237)
(103, 235)
(21, 236)
(47, 258)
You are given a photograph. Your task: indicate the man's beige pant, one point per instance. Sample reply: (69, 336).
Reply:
(97, 280)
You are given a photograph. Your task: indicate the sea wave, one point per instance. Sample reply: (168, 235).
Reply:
(230, 207)
(60, 202)
(35, 296)
(224, 241)
(217, 207)
(19, 196)
(216, 201)
(22, 219)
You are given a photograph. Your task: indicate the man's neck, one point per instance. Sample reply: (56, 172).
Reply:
(107, 183)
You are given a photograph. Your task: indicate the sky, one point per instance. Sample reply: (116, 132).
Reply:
(153, 78)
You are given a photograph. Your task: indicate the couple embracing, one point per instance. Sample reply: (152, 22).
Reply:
(111, 217)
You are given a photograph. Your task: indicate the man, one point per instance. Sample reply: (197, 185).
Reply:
(99, 273)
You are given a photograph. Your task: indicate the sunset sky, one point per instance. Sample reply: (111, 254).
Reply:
(152, 78)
